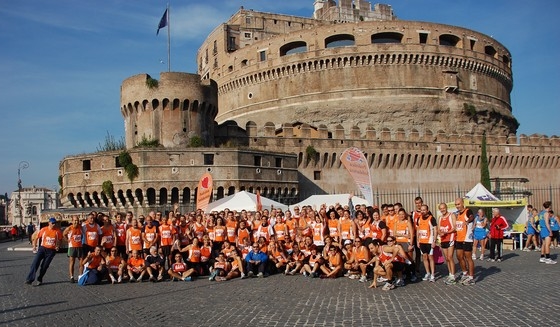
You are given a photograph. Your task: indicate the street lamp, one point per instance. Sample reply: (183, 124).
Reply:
(22, 165)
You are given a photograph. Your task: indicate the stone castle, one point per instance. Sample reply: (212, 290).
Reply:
(278, 98)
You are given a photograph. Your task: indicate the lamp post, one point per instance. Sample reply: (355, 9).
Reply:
(22, 165)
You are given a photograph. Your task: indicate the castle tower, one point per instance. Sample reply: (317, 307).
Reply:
(171, 110)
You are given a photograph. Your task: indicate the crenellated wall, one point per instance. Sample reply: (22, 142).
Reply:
(400, 159)
(179, 107)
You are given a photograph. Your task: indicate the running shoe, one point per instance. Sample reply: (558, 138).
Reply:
(353, 276)
(132, 279)
(243, 276)
(526, 249)
(72, 280)
(250, 274)
(413, 278)
(160, 278)
(468, 282)
(482, 257)
(542, 260)
(399, 282)
(474, 256)
(538, 248)
(381, 279)
(550, 262)
(362, 279)
(432, 278)
(498, 260)
(188, 279)
(260, 275)
(388, 287)
(119, 280)
(426, 277)
(463, 278)
(305, 273)
(450, 280)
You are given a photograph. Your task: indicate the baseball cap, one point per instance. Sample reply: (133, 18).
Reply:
(347, 242)
(52, 220)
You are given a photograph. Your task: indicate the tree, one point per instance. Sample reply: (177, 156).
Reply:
(484, 170)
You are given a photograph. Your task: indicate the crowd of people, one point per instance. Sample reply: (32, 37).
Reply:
(386, 245)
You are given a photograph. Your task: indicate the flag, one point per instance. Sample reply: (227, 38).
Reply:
(163, 22)
(259, 201)
(355, 162)
(204, 191)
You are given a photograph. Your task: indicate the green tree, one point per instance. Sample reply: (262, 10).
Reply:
(484, 170)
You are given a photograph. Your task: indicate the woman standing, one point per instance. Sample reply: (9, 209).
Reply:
(480, 234)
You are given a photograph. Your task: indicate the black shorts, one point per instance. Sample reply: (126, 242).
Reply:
(555, 234)
(166, 250)
(398, 266)
(86, 249)
(445, 245)
(465, 246)
(426, 248)
(75, 252)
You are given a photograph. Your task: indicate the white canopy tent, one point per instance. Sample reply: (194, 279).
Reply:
(329, 199)
(515, 211)
(243, 201)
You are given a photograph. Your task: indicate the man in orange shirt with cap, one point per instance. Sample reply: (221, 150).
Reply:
(49, 238)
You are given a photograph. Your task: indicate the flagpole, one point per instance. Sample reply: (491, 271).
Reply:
(168, 39)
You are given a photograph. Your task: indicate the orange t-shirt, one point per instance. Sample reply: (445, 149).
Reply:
(49, 237)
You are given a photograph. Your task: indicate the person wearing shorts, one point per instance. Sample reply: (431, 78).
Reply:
(464, 245)
(447, 234)
(73, 234)
(480, 234)
(426, 239)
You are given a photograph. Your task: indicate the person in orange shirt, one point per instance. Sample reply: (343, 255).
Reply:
(333, 263)
(73, 234)
(92, 233)
(391, 219)
(220, 234)
(134, 237)
(50, 237)
(360, 254)
(221, 268)
(108, 234)
(464, 225)
(136, 267)
(95, 262)
(332, 225)
(150, 235)
(115, 266)
(120, 230)
(167, 235)
(346, 227)
(426, 238)
(231, 227)
(295, 261)
(446, 231)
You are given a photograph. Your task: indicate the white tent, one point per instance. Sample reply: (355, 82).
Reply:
(329, 199)
(243, 200)
(515, 211)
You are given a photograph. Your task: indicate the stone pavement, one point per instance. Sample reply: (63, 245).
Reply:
(516, 292)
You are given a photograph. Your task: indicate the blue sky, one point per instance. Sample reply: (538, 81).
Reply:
(62, 63)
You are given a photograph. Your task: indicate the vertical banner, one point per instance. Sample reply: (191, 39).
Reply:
(259, 201)
(356, 163)
(204, 191)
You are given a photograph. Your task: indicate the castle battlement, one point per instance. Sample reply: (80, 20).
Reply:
(339, 135)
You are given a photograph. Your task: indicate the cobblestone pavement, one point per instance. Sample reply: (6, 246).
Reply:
(519, 291)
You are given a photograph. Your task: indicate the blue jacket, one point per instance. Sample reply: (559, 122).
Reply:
(259, 256)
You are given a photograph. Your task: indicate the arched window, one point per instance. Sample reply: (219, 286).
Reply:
(293, 47)
(339, 40)
(386, 37)
(448, 40)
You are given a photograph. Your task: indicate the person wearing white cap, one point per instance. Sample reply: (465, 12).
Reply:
(49, 237)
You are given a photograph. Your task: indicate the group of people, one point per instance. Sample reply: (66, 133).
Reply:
(386, 244)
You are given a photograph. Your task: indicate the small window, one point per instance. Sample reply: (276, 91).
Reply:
(278, 162)
(117, 163)
(86, 165)
(244, 62)
(215, 51)
(423, 38)
(448, 40)
(258, 161)
(387, 37)
(231, 43)
(247, 35)
(248, 20)
(262, 55)
(473, 42)
(208, 159)
(489, 50)
(317, 175)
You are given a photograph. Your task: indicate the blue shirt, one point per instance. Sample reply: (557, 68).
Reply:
(256, 256)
